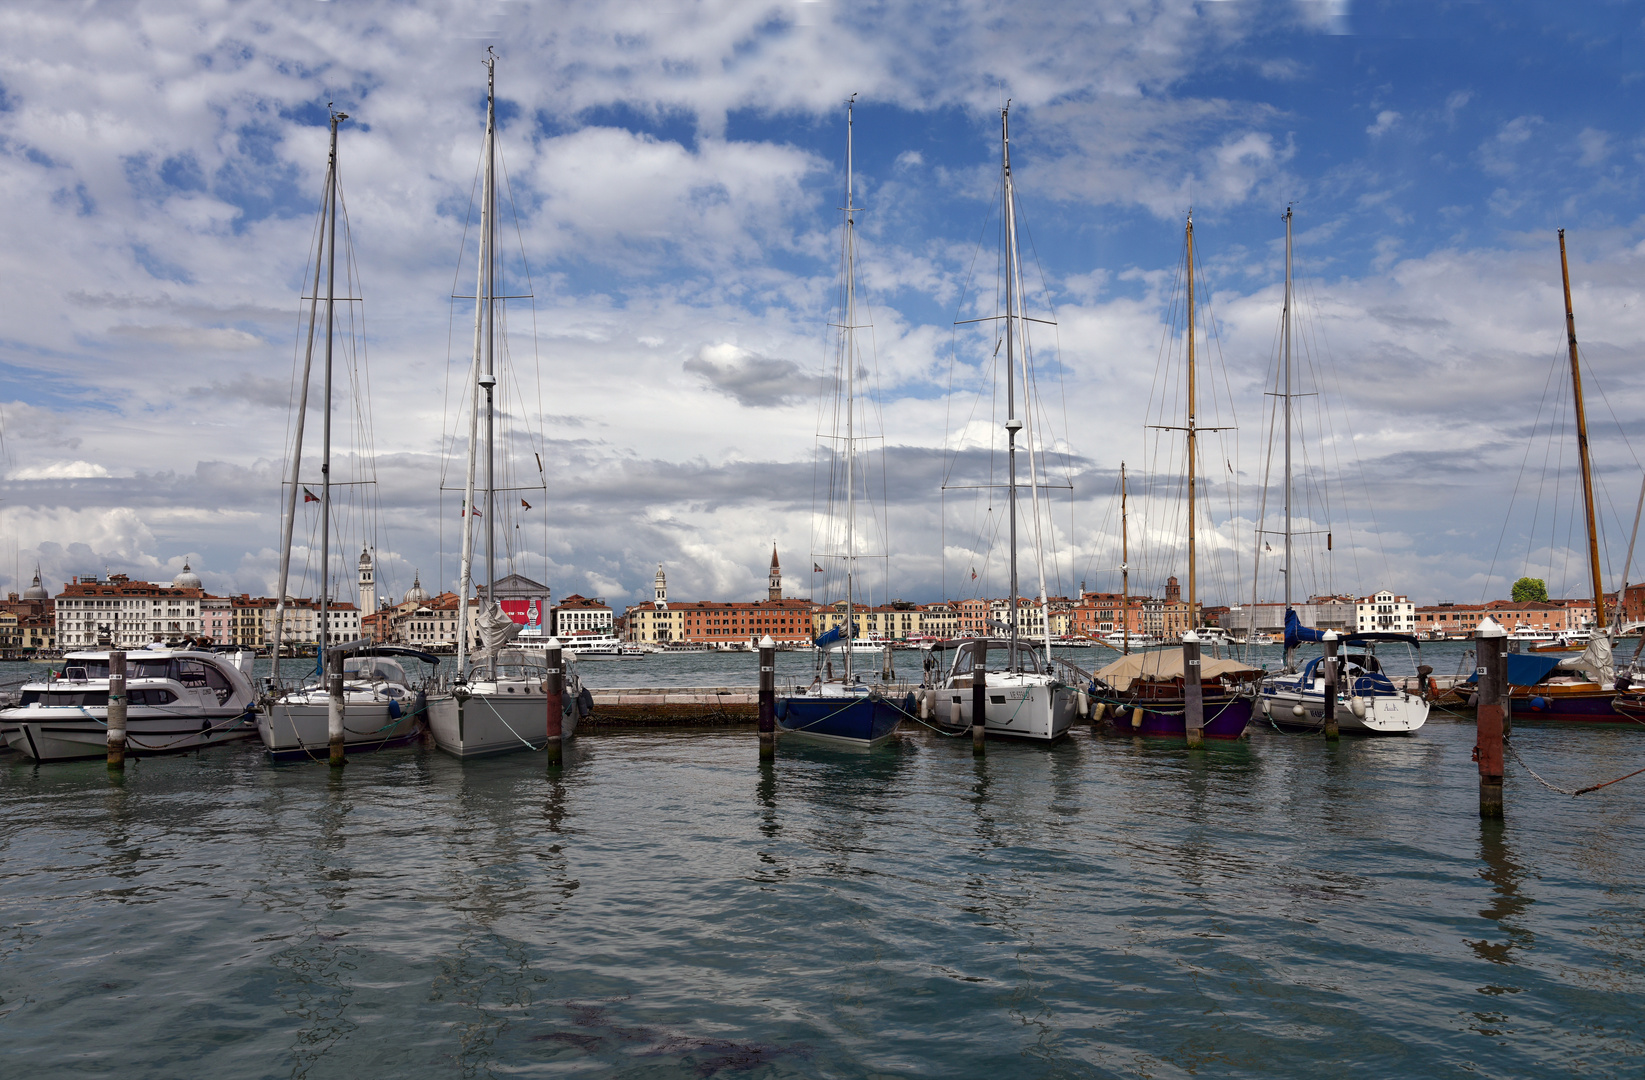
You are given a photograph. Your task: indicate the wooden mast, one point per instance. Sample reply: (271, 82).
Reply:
(1582, 440)
(1192, 409)
(1125, 572)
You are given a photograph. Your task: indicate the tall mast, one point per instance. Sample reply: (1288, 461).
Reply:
(1582, 440)
(325, 459)
(1012, 423)
(488, 379)
(1192, 409)
(466, 578)
(1286, 331)
(850, 400)
(1125, 571)
(302, 408)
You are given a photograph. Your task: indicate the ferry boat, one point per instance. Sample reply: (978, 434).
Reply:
(589, 646)
(177, 699)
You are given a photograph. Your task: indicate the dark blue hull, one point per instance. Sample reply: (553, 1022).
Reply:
(852, 721)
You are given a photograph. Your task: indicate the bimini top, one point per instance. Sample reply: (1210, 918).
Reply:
(1165, 665)
(1296, 634)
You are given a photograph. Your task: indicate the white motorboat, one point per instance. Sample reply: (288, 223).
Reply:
(177, 699)
(592, 647)
(382, 706)
(503, 706)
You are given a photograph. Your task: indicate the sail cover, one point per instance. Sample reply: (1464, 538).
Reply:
(1165, 665)
(833, 637)
(496, 628)
(1296, 633)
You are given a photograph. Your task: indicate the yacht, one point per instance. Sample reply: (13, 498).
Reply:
(1026, 699)
(502, 705)
(592, 646)
(1368, 701)
(382, 705)
(177, 699)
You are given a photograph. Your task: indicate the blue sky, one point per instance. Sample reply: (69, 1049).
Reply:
(677, 173)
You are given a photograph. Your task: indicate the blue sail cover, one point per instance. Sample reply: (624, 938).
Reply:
(830, 638)
(1296, 633)
(1525, 669)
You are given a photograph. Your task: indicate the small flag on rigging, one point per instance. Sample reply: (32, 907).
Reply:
(973, 573)
(815, 569)
(309, 496)
(525, 504)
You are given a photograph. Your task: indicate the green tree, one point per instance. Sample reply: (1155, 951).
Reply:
(1531, 588)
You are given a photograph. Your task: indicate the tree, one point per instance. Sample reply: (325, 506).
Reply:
(1531, 588)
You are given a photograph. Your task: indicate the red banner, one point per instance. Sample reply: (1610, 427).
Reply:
(526, 612)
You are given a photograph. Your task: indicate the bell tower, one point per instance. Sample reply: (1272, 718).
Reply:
(661, 585)
(774, 584)
(368, 584)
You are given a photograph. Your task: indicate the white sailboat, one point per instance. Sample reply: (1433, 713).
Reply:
(1368, 702)
(1029, 694)
(499, 703)
(378, 704)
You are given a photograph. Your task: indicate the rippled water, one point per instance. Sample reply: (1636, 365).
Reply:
(665, 907)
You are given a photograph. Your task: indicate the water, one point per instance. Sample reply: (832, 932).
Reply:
(664, 907)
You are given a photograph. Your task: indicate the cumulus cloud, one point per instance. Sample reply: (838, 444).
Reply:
(752, 380)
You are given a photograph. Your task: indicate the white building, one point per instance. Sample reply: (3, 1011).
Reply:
(580, 615)
(1385, 613)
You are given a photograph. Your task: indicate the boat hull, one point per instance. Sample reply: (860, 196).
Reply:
(1226, 717)
(484, 725)
(67, 734)
(1586, 703)
(1042, 712)
(1385, 714)
(300, 731)
(857, 722)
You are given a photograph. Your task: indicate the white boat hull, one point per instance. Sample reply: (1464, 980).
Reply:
(63, 734)
(299, 729)
(1385, 714)
(1023, 707)
(483, 724)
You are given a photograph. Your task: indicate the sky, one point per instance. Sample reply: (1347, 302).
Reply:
(674, 179)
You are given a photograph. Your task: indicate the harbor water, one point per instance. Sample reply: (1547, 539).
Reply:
(664, 906)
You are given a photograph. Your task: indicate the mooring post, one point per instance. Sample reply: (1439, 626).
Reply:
(554, 689)
(1328, 712)
(1489, 642)
(117, 709)
(1193, 691)
(768, 698)
(334, 711)
(979, 697)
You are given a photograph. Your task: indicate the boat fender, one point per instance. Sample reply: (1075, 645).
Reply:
(393, 709)
(1297, 709)
(1356, 705)
(1538, 704)
(1473, 701)
(1099, 712)
(1085, 704)
(585, 703)
(1136, 717)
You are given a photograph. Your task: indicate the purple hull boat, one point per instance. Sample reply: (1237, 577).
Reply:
(1225, 717)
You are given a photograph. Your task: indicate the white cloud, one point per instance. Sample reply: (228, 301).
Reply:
(1385, 121)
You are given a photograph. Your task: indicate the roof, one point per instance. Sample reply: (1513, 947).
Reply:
(1165, 665)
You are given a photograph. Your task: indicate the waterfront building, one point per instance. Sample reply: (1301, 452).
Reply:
(249, 620)
(718, 623)
(1384, 613)
(120, 613)
(973, 616)
(578, 614)
(1462, 620)
(36, 617)
(526, 602)
(1319, 612)
(10, 638)
(216, 619)
(940, 620)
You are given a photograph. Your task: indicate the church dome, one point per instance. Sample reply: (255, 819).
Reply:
(36, 591)
(417, 595)
(188, 579)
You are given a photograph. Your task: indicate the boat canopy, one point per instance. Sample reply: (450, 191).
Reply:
(1296, 634)
(1165, 665)
(401, 650)
(832, 637)
(1525, 669)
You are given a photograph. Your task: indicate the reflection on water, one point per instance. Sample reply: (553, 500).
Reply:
(668, 905)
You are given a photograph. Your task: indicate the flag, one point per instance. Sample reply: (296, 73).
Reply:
(973, 573)
(309, 496)
(815, 569)
(525, 504)
(472, 510)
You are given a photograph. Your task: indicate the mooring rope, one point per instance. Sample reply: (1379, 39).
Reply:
(1506, 745)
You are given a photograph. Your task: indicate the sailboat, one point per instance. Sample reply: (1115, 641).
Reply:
(378, 704)
(499, 703)
(842, 710)
(1030, 695)
(1582, 688)
(1368, 701)
(1149, 689)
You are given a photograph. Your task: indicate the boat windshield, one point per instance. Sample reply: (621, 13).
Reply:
(965, 657)
(521, 665)
(374, 669)
(76, 668)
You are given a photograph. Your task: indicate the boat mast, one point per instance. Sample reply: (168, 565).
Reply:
(325, 460)
(1125, 571)
(1012, 424)
(1582, 440)
(1287, 397)
(466, 577)
(302, 407)
(850, 401)
(1192, 447)
(488, 379)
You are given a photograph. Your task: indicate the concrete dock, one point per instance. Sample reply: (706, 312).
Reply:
(672, 706)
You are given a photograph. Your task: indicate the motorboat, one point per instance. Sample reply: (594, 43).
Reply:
(591, 647)
(383, 706)
(177, 699)
(502, 705)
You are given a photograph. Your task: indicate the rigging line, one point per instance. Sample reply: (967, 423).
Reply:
(1508, 514)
